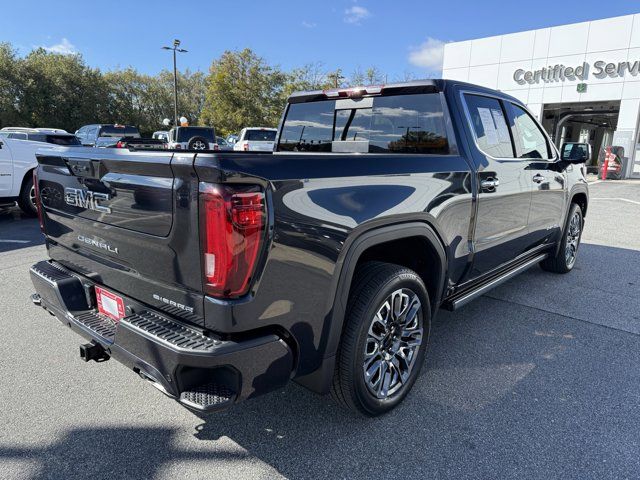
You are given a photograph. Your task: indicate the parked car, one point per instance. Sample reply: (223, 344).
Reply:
(32, 130)
(223, 145)
(232, 139)
(89, 134)
(161, 135)
(54, 136)
(256, 139)
(324, 261)
(18, 159)
(192, 138)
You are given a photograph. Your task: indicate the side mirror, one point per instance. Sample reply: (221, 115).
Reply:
(573, 152)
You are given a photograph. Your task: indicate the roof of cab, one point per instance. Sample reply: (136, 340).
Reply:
(416, 86)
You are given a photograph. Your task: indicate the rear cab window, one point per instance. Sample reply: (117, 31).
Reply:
(259, 135)
(119, 131)
(62, 139)
(187, 133)
(409, 123)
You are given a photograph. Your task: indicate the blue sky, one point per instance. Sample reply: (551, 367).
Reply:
(397, 37)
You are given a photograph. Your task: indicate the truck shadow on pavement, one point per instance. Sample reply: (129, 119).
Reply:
(535, 379)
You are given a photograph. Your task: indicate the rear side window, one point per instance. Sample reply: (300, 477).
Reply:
(260, 135)
(529, 140)
(489, 126)
(391, 124)
(18, 136)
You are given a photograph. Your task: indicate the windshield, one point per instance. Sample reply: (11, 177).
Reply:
(387, 124)
(260, 135)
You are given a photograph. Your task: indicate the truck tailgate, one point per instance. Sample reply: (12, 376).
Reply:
(126, 220)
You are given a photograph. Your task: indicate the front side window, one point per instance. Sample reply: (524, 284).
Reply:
(489, 126)
(387, 124)
(529, 140)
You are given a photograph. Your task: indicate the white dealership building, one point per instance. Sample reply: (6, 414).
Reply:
(582, 80)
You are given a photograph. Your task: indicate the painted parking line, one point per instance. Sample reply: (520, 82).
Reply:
(616, 199)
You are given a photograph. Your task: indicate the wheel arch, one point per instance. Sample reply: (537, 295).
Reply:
(582, 199)
(27, 175)
(366, 246)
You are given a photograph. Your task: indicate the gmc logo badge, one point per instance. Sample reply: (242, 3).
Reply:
(77, 197)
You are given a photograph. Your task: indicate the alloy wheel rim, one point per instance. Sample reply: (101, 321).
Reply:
(573, 239)
(393, 340)
(32, 196)
(198, 145)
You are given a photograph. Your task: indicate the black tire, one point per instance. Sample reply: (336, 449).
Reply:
(374, 284)
(562, 262)
(26, 200)
(198, 143)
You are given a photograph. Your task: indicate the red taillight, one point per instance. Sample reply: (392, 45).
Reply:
(120, 144)
(245, 147)
(178, 147)
(216, 147)
(232, 222)
(36, 189)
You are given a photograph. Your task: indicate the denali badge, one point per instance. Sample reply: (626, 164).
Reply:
(78, 197)
(172, 303)
(98, 243)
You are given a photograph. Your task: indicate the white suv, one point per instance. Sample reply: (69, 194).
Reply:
(192, 138)
(18, 147)
(256, 139)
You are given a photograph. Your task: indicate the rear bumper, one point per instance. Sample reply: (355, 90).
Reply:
(201, 371)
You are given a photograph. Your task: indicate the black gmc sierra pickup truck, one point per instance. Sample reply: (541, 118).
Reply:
(221, 276)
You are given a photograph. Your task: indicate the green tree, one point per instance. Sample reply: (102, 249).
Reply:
(60, 91)
(311, 76)
(243, 90)
(9, 86)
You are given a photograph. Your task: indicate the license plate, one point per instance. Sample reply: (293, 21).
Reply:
(110, 304)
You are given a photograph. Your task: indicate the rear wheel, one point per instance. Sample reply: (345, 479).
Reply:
(27, 198)
(567, 254)
(384, 340)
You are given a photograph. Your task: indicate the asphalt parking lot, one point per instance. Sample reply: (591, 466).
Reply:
(538, 379)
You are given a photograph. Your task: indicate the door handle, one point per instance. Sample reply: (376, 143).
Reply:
(538, 178)
(490, 184)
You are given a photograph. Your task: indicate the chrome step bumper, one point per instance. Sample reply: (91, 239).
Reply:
(200, 370)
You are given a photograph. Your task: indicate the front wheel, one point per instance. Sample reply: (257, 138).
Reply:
(567, 254)
(384, 340)
(27, 198)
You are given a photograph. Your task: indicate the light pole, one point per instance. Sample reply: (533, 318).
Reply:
(176, 44)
